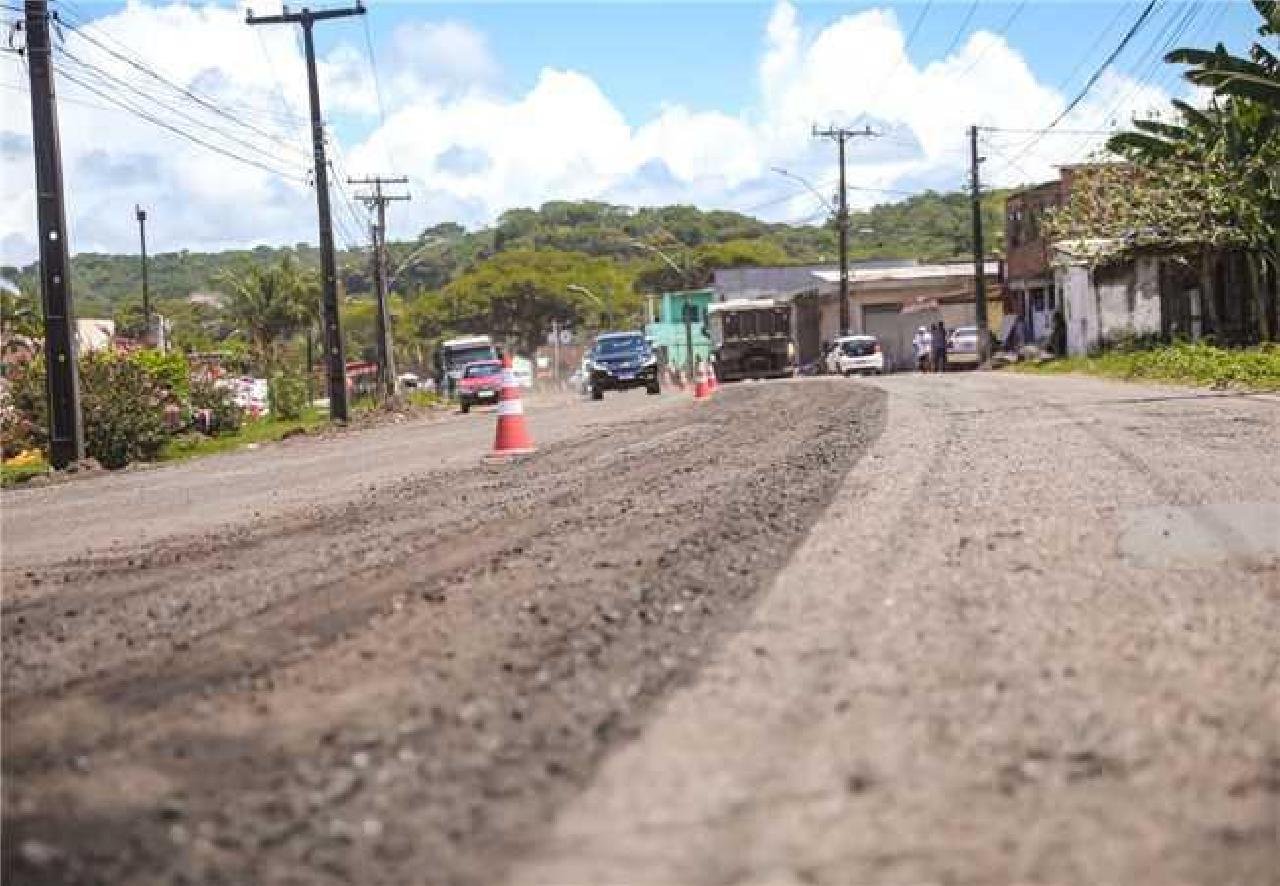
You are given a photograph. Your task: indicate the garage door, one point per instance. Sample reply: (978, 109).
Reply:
(895, 330)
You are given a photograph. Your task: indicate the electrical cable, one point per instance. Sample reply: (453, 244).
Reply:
(103, 74)
(82, 29)
(1137, 26)
(138, 112)
(955, 41)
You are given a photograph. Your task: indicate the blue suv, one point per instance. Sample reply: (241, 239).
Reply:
(622, 360)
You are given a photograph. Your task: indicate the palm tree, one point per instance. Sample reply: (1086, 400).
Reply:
(268, 304)
(1256, 78)
(1238, 135)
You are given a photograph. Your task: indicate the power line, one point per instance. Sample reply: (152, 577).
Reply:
(1093, 79)
(138, 112)
(82, 30)
(955, 41)
(377, 91)
(1003, 32)
(1115, 53)
(1148, 64)
(906, 47)
(252, 146)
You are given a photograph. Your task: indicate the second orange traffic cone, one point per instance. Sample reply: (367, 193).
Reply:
(512, 436)
(700, 389)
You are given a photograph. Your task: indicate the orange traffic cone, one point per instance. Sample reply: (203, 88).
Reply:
(700, 389)
(512, 437)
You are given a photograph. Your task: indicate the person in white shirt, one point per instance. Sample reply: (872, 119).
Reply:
(922, 343)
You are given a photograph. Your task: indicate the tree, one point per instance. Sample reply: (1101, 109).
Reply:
(1207, 180)
(517, 293)
(19, 313)
(268, 303)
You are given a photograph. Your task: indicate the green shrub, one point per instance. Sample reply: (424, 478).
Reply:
(423, 399)
(225, 416)
(169, 370)
(120, 402)
(1255, 368)
(23, 422)
(287, 396)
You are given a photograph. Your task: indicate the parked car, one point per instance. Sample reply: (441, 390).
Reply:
(522, 370)
(480, 383)
(962, 347)
(620, 361)
(856, 354)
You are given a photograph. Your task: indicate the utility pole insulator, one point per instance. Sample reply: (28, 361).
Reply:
(335, 359)
(62, 381)
(841, 135)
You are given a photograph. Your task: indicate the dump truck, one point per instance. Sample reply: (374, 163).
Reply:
(751, 338)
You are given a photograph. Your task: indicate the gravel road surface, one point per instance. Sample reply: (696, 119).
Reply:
(373, 658)
(1034, 639)
(980, 628)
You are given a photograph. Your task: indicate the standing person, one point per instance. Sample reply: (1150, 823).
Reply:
(939, 347)
(922, 343)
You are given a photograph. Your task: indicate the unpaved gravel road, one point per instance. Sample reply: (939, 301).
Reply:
(373, 659)
(1034, 639)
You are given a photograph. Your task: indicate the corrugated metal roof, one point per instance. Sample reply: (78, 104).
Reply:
(917, 272)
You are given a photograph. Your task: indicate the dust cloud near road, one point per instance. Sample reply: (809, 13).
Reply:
(392, 682)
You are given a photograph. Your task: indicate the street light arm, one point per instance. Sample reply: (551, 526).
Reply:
(640, 244)
(789, 174)
(410, 258)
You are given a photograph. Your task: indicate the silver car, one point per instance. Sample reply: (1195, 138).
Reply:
(962, 347)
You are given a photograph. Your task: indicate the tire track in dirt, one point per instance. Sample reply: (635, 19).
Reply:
(402, 688)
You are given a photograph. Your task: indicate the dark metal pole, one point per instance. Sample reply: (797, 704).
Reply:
(841, 135)
(335, 360)
(979, 264)
(66, 433)
(333, 346)
(843, 222)
(688, 337)
(386, 354)
(146, 294)
(385, 343)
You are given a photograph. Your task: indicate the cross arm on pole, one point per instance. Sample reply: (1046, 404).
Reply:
(305, 15)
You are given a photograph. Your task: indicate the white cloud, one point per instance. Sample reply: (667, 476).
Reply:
(473, 150)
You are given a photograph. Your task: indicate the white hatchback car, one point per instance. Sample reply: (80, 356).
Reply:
(962, 347)
(856, 354)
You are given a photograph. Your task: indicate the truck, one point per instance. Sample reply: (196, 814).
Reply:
(455, 353)
(751, 338)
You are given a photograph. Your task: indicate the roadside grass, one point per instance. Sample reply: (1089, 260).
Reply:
(263, 430)
(12, 473)
(1200, 365)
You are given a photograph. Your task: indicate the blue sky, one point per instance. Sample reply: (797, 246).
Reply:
(495, 105)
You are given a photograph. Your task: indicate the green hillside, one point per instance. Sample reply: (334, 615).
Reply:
(443, 284)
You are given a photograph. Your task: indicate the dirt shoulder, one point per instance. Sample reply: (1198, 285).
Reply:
(405, 685)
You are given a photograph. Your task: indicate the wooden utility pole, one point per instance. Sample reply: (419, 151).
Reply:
(335, 360)
(840, 135)
(378, 200)
(66, 432)
(979, 261)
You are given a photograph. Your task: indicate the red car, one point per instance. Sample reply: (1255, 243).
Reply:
(481, 383)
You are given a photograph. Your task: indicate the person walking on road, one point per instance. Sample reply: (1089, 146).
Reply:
(939, 347)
